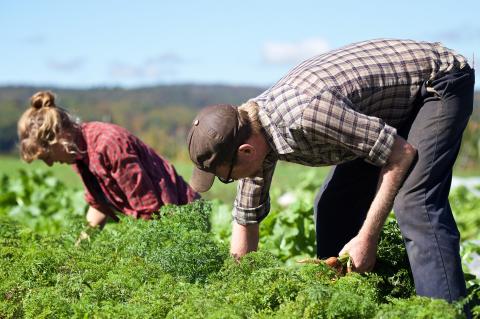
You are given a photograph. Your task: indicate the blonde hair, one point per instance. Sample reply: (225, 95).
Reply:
(249, 114)
(43, 125)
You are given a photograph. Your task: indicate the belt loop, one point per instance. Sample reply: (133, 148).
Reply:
(429, 88)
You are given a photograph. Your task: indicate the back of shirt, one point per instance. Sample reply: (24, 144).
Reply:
(379, 77)
(133, 177)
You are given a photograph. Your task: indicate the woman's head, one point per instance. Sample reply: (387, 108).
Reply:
(47, 132)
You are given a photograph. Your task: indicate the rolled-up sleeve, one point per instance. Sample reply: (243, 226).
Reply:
(382, 148)
(332, 119)
(252, 203)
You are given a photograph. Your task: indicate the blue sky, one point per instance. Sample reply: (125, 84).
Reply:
(136, 43)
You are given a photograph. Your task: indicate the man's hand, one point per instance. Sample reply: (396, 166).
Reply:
(363, 253)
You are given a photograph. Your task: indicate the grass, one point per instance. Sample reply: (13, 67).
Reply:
(11, 165)
(287, 175)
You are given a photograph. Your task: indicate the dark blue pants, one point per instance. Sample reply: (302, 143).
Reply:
(421, 207)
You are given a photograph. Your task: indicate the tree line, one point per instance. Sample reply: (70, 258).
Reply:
(161, 115)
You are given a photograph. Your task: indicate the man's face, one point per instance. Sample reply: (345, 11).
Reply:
(248, 161)
(241, 169)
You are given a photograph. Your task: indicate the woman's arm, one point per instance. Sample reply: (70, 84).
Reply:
(96, 218)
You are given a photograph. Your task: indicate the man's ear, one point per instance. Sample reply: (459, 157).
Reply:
(246, 150)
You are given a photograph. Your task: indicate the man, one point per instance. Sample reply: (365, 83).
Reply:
(389, 114)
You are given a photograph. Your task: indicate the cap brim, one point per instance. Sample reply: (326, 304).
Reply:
(201, 181)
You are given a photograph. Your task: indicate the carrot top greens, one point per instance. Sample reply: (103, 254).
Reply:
(178, 266)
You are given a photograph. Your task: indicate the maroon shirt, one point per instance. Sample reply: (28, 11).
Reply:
(132, 177)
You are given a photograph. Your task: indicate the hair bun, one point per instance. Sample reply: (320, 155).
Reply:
(42, 99)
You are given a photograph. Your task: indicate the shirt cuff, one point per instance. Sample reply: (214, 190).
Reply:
(382, 148)
(248, 216)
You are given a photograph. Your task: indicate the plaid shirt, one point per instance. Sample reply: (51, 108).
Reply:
(133, 179)
(339, 106)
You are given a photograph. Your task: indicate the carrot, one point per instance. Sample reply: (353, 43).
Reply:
(340, 264)
(309, 261)
(332, 261)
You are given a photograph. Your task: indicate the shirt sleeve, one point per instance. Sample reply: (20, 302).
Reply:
(252, 203)
(91, 200)
(125, 178)
(330, 118)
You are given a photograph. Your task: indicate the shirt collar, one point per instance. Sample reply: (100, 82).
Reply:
(274, 137)
(81, 143)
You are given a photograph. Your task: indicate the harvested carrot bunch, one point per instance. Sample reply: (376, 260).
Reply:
(341, 265)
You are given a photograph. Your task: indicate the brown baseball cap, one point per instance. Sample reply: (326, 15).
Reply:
(214, 137)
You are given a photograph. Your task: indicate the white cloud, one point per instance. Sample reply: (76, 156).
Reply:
(66, 65)
(161, 66)
(165, 58)
(459, 35)
(122, 70)
(34, 39)
(293, 52)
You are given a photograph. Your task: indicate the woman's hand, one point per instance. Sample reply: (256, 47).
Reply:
(95, 220)
(83, 236)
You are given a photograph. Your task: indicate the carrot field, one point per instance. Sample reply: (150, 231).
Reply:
(178, 266)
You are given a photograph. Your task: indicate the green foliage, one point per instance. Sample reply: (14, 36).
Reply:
(289, 231)
(177, 267)
(466, 207)
(46, 302)
(418, 308)
(40, 201)
(50, 277)
(354, 297)
(125, 271)
(392, 265)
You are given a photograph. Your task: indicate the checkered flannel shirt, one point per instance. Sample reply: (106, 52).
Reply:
(338, 106)
(132, 178)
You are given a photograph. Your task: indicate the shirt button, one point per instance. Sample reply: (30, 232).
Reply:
(195, 123)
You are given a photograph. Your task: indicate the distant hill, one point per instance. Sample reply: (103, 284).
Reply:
(193, 96)
(159, 115)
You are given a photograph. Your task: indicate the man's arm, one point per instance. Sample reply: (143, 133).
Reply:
(363, 247)
(252, 204)
(244, 239)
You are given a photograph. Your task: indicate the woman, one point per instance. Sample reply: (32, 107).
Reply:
(119, 172)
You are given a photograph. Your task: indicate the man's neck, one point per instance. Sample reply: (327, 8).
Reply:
(261, 145)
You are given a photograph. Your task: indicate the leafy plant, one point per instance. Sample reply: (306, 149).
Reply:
(466, 207)
(177, 266)
(40, 201)
(289, 229)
